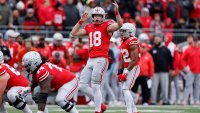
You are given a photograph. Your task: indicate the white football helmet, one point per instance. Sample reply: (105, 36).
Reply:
(1, 57)
(127, 30)
(98, 11)
(31, 61)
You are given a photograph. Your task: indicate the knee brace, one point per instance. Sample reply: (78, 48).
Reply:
(19, 103)
(67, 106)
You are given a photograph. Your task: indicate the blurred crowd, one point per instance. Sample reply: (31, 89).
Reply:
(170, 73)
(156, 15)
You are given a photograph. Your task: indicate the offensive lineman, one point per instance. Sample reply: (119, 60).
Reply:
(16, 84)
(130, 69)
(50, 77)
(99, 33)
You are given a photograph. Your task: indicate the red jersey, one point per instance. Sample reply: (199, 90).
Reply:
(126, 52)
(62, 50)
(99, 39)
(16, 79)
(60, 75)
(14, 49)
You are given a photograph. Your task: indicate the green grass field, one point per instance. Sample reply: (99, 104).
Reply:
(142, 109)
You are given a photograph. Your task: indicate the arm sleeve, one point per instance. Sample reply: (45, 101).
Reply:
(42, 74)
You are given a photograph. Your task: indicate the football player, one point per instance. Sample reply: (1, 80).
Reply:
(50, 77)
(130, 69)
(16, 86)
(99, 33)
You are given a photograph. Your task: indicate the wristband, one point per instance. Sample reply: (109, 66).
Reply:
(80, 22)
(126, 70)
(116, 13)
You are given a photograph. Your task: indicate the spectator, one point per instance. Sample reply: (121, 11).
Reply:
(71, 13)
(195, 11)
(190, 41)
(172, 10)
(28, 46)
(45, 14)
(163, 62)
(127, 18)
(168, 39)
(4, 49)
(184, 9)
(146, 72)
(138, 22)
(13, 46)
(5, 14)
(145, 18)
(58, 47)
(157, 8)
(168, 25)
(58, 60)
(156, 26)
(192, 58)
(42, 47)
(16, 17)
(81, 6)
(59, 16)
(149, 5)
(30, 22)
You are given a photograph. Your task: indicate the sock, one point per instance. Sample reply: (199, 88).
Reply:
(129, 102)
(73, 110)
(27, 109)
(97, 97)
(87, 90)
(46, 110)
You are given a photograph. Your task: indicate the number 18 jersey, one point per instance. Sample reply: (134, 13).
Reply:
(16, 78)
(126, 52)
(99, 39)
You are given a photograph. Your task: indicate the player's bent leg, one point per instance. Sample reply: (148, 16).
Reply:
(2, 109)
(16, 100)
(65, 93)
(85, 78)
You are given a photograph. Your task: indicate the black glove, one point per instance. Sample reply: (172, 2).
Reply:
(120, 71)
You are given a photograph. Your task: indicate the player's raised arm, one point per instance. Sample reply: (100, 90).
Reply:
(76, 30)
(118, 25)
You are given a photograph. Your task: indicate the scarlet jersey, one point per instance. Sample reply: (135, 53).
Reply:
(126, 52)
(14, 48)
(60, 75)
(99, 39)
(16, 78)
(62, 50)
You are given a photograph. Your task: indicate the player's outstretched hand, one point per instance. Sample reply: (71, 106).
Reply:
(85, 15)
(116, 5)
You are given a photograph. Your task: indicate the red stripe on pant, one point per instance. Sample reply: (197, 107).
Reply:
(104, 68)
(76, 86)
(132, 81)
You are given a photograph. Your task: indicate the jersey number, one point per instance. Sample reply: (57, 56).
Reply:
(126, 55)
(55, 66)
(13, 70)
(95, 38)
